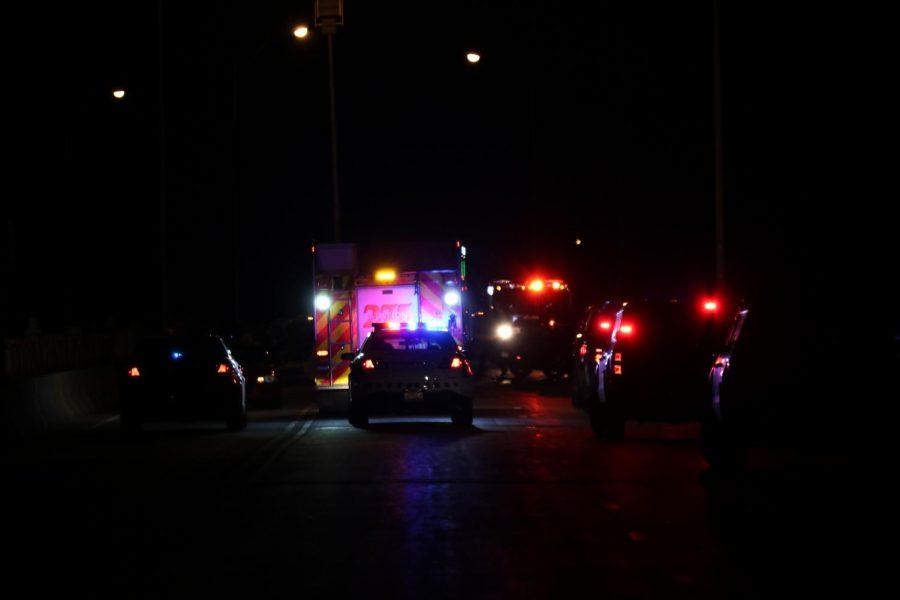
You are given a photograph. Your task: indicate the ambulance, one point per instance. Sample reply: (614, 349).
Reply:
(397, 285)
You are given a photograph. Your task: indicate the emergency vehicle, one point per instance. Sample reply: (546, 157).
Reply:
(352, 294)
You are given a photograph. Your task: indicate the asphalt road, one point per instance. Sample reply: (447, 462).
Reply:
(525, 504)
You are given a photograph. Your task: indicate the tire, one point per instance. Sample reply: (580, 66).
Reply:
(130, 423)
(358, 416)
(606, 422)
(463, 417)
(723, 447)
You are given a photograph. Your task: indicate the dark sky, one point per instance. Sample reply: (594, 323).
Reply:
(582, 119)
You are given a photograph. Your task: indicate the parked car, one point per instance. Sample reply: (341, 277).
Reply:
(183, 379)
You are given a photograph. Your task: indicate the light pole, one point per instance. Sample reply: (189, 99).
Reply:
(330, 14)
(719, 176)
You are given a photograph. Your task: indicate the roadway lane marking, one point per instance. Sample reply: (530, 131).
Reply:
(106, 421)
(255, 477)
(246, 467)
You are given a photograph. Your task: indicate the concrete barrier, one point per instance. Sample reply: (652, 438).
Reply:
(58, 401)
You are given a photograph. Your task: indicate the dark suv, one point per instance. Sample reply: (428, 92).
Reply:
(183, 378)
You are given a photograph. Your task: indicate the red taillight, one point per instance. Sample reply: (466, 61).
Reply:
(223, 369)
(368, 364)
(134, 372)
(536, 285)
(605, 325)
(710, 306)
(626, 329)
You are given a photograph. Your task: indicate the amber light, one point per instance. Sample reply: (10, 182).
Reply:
(223, 369)
(134, 372)
(456, 363)
(368, 364)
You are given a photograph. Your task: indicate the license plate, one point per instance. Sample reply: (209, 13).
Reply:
(413, 395)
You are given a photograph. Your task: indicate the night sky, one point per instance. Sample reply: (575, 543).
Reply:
(592, 120)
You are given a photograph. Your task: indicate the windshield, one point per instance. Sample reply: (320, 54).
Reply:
(400, 341)
(547, 303)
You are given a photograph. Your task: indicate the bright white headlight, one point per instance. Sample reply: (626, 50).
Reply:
(505, 331)
(451, 298)
(323, 302)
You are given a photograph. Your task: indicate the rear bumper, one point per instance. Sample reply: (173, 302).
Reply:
(152, 403)
(392, 403)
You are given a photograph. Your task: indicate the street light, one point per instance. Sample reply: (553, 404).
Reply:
(118, 94)
(473, 57)
(301, 31)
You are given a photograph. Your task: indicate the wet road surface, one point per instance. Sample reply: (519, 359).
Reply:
(527, 503)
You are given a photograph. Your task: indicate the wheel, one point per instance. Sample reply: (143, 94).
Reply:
(358, 416)
(722, 445)
(129, 422)
(239, 421)
(606, 422)
(463, 417)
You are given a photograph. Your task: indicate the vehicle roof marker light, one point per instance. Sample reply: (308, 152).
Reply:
(323, 302)
(385, 275)
(451, 298)
(536, 285)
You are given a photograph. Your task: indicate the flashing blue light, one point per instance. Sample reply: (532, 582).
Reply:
(176, 355)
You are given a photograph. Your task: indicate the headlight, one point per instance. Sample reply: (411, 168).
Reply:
(505, 331)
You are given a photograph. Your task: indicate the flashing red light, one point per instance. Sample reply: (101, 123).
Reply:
(223, 369)
(456, 363)
(710, 306)
(368, 364)
(626, 329)
(536, 285)
(393, 326)
(134, 372)
(605, 325)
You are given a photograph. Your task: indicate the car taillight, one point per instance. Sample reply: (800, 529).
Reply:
(223, 369)
(368, 364)
(605, 325)
(710, 306)
(626, 329)
(134, 372)
(456, 363)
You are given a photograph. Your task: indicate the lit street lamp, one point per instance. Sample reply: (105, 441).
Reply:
(473, 57)
(118, 94)
(301, 31)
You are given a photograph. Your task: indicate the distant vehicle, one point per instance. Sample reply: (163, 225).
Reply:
(183, 379)
(528, 326)
(410, 284)
(646, 360)
(400, 370)
(263, 385)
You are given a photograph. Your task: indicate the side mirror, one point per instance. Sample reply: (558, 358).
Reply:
(348, 356)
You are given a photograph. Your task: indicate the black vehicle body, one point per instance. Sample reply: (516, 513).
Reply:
(650, 360)
(525, 329)
(183, 379)
(410, 372)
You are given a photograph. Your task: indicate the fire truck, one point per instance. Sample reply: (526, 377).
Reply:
(356, 286)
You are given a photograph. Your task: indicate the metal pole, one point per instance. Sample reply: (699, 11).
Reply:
(163, 216)
(719, 184)
(336, 205)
